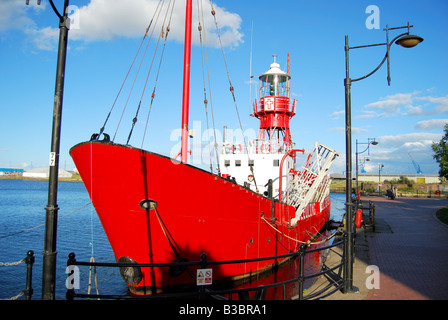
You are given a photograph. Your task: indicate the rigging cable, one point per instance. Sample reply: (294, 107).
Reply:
(210, 95)
(127, 74)
(138, 71)
(158, 70)
(203, 77)
(213, 12)
(134, 121)
(92, 259)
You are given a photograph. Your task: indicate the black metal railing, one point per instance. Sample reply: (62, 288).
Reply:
(204, 292)
(369, 217)
(29, 261)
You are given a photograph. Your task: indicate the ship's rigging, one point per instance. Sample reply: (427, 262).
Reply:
(157, 33)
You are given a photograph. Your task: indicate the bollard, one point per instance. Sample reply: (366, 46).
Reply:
(29, 260)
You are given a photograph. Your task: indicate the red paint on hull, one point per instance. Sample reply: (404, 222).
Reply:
(199, 213)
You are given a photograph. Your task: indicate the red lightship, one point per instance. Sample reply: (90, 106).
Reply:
(155, 209)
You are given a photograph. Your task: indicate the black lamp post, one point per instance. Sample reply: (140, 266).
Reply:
(380, 167)
(405, 40)
(369, 142)
(51, 216)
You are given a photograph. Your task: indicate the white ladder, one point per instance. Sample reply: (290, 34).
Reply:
(311, 183)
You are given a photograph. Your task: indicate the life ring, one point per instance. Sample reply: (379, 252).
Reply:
(250, 178)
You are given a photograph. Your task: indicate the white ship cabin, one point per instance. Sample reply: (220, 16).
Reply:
(255, 168)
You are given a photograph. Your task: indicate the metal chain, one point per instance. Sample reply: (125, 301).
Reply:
(9, 264)
(15, 297)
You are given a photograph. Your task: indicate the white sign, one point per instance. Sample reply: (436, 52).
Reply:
(52, 159)
(204, 277)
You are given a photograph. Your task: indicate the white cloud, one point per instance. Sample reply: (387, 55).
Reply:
(13, 14)
(109, 19)
(433, 124)
(394, 152)
(355, 130)
(391, 105)
(405, 104)
(370, 114)
(335, 115)
(409, 140)
(441, 104)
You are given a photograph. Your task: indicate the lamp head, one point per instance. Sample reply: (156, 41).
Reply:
(409, 41)
(374, 143)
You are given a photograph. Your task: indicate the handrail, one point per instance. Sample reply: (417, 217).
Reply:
(219, 294)
(289, 153)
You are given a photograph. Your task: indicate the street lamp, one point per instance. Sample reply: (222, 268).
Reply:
(405, 40)
(409, 41)
(51, 210)
(369, 142)
(380, 167)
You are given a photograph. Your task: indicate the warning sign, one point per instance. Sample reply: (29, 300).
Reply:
(204, 277)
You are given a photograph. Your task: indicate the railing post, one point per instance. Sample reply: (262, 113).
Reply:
(69, 295)
(202, 295)
(302, 270)
(29, 260)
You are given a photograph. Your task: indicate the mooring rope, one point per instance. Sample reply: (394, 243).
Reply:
(308, 243)
(92, 260)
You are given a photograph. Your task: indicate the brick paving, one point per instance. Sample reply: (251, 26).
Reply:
(410, 248)
(412, 255)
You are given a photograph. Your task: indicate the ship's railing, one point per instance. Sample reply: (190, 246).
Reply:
(274, 104)
(256, 146)
(310, 182)
(332, 273)
(29, 261)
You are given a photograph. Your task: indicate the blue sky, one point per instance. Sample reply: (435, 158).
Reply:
(405, 117)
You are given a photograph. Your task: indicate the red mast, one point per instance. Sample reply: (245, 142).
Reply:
(275, 112)
(186, 83)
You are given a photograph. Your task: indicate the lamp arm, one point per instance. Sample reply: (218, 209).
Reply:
(367, 148)
(61, 17)
(384, 59)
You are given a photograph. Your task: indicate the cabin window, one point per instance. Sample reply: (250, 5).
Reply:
(276, 163)
(251, 163)
(237, 163)
(227, 163)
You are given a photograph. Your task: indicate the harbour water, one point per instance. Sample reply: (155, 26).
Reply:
(22, 228)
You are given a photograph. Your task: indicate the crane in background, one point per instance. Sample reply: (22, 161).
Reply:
(416, 166)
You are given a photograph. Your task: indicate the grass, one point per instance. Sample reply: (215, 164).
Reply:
(442, 214)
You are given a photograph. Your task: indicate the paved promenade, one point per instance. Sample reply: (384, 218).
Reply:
(410, 249)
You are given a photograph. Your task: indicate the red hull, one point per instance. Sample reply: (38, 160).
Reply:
(199, 212)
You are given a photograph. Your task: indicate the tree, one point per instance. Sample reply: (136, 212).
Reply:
(441, 153)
